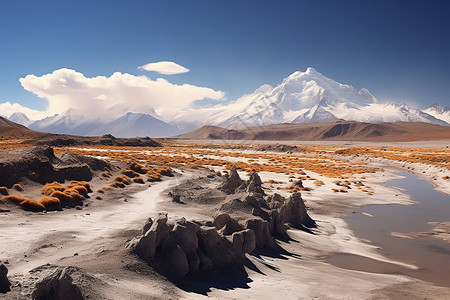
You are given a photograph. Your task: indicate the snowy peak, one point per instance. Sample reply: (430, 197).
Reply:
(20, 118)
(439, 111)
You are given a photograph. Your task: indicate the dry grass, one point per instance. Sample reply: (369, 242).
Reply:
(63, 197)
(49, 188)
(86, 184)
(14, 199)
(117, 184)
(124, 179)
(138, 168)
(17, 187)
(138, 179)
(50, 202)
(32, 205)
(4, 190)
(130, 173)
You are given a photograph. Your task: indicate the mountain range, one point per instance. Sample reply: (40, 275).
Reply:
(302, 97)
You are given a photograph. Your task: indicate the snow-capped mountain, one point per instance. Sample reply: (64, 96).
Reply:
(302, 97)
(69, 122)
(305, 97)
(439, 111)
(20, 118)
(136, 124)
(128, 125)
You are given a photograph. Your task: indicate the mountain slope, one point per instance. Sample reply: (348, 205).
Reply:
(20, 118)
(11, 130)
(336, 130)
(439, 111)
(304, 97)
(136, 124)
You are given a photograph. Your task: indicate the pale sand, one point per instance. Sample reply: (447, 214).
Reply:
(99, 236)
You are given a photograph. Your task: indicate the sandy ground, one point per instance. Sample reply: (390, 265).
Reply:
(95, 237)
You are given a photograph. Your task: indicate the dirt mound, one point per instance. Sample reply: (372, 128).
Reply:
(337, 130)
(61, 140)
(40, 164)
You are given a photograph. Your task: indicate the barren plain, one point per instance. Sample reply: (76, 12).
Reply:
(233, 196)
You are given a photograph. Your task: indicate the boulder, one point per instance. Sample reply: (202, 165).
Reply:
(58, 286)
(220, 220)
(4, 282)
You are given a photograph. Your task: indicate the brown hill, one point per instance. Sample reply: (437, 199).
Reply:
(336, 130)
(11, 130)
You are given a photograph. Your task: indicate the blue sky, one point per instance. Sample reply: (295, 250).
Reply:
(399, 50)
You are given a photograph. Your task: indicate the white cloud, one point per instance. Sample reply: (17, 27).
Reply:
(110, 97)
(164, 67)
(8, 108)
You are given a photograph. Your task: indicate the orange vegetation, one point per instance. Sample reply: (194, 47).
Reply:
(138, 179)
(18, 187)
(4, 191)
(50, 202)
(32, 205)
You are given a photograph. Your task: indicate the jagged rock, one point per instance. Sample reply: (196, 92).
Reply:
(261, 230)
(144, 246)
(294, 211)
(40, 164)
(220, 220)
(58, 286)
(298, 183)
(186, 234)
(232, 182)
(4, 282)
(243, 241)
(160, 228)
(254, 184)
(275, 201)
(230, 227)
(147, 226)
(218, 249)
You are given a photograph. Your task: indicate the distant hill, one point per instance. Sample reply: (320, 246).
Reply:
(11, 130)
(336, 130)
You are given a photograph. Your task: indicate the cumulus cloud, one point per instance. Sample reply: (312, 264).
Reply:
(110, 97)
(8, 108)
(164, 67)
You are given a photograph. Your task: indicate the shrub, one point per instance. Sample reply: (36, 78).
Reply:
(86, 184)
(32, 205)
(4, 191)
(138, 168)
(80, 189)
(101, 191)
(18, 187)
(130, 173)
(98, 198)
(138, 179)
(63, 197)
(118, 184)
(50, 202)
(75, 195)
(124, 179)
(49, 188)
(14, 199)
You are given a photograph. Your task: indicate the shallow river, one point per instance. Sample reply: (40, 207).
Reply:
(431, 255)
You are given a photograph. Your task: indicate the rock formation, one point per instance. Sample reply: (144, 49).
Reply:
(187, 248)
(41, 165)
(4, 282)
(58, 286)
